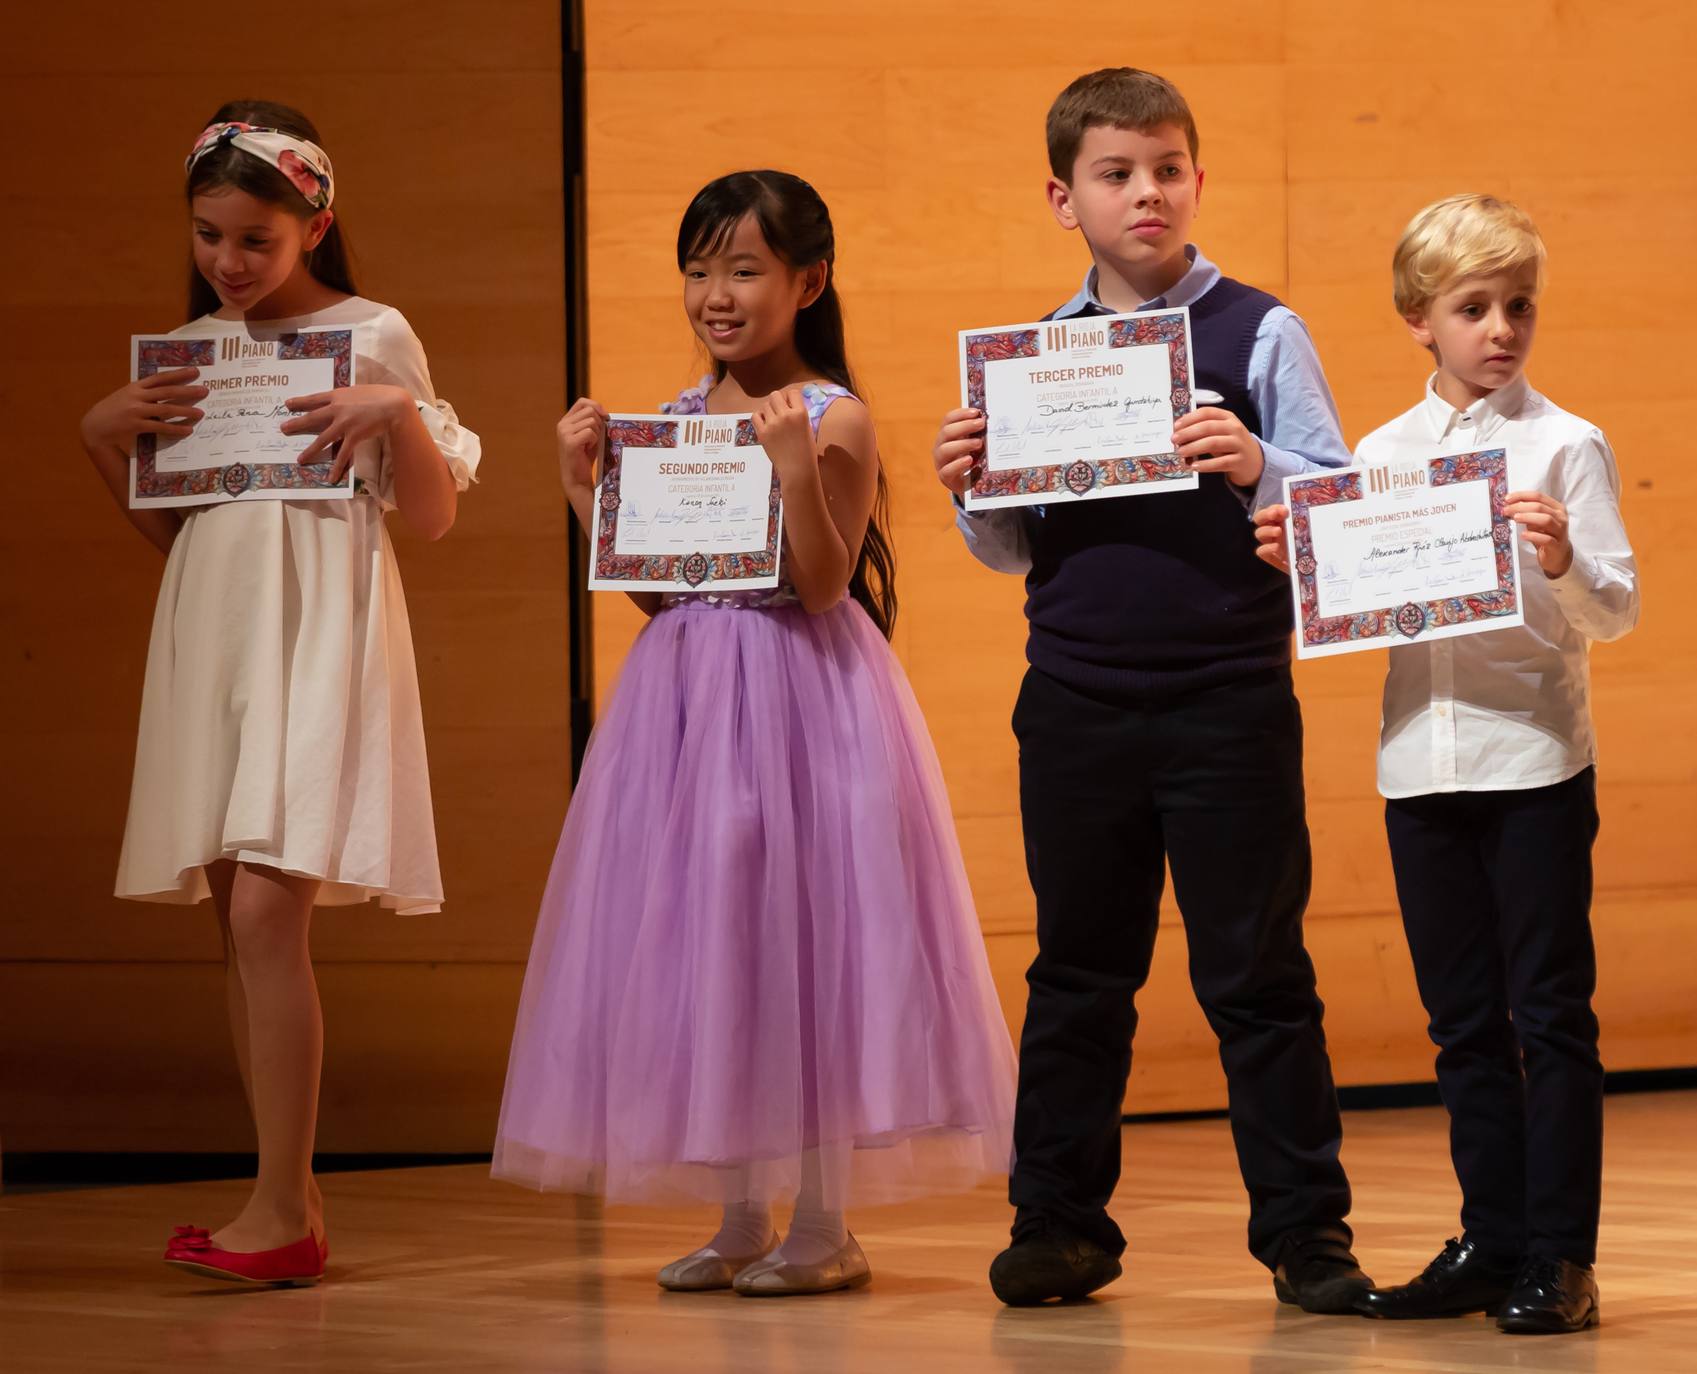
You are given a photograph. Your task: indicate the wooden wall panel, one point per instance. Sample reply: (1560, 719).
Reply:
(444, 123)
(1324, 126)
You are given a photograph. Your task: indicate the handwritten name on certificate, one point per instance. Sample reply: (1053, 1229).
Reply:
(1400, 553)
(238, 452)
(686, 503)
(1078, 409)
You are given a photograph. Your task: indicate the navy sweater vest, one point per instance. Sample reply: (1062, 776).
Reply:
(1152, 595)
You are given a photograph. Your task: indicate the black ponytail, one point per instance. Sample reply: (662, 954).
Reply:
(797, 226)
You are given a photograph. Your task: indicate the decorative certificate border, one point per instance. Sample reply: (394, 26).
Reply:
(1412, 620)
(675, 571)
(1082, 477)
(235, 481)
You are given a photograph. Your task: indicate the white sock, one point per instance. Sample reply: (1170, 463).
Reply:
(814, 1237)
(745, 1231)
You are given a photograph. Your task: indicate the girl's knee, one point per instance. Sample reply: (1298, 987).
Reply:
(268, 919)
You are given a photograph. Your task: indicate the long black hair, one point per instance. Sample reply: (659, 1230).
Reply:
(797, 227)
(330, 262)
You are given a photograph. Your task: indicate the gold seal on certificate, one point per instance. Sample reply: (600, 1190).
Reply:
(1401, 553)
(238, 451)
(1078, 409)
(687, 503)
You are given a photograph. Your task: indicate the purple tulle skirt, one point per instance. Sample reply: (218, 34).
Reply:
(757, 955)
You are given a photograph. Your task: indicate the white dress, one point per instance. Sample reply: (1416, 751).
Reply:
(280, 718)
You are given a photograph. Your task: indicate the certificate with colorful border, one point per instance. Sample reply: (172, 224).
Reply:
(1402, 553)
(1078, 409)
(686, 503)
(238, 452)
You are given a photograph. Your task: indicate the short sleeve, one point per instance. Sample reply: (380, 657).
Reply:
(397, 351)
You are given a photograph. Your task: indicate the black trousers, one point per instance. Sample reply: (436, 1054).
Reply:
(1211, 784)
(1495, 890)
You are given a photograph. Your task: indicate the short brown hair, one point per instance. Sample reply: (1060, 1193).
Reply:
(1120, 97)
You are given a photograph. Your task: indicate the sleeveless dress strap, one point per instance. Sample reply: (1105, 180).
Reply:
(818, 396)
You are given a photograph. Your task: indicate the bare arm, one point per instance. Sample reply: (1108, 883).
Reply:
(828, 489)
(158, 524)
(163, 404)
(582, 439)
(425, 491)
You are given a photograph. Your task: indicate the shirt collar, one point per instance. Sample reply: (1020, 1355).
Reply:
(1198, 279)
(1481, 419)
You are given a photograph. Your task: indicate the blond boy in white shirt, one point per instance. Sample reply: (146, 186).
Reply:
(1487, 763)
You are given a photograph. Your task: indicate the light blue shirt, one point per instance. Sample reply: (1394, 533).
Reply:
(1300, 427)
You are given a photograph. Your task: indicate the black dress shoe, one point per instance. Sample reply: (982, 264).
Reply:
(1319, 1274)
(1550, 1297)
(1043, 1264)
(1462, 1279)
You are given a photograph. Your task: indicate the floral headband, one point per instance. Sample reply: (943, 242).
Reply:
(306, 165)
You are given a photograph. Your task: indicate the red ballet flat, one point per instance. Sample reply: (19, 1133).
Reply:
(297, 1265)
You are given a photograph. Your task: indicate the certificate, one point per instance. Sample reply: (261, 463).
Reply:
(1401, 553)
(686, 503)
(1078, 409)
(238, 452)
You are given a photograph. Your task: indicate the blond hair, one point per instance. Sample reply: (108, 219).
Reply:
(1120, 98)
(1460, 237)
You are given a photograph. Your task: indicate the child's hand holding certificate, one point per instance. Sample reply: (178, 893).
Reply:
(1402, 552)
(686, 503)
(1080, 408)
(238, 451)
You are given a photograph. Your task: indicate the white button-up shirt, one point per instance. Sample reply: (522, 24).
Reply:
(1510, 708)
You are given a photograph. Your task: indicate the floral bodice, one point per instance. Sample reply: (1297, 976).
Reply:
(817, 396)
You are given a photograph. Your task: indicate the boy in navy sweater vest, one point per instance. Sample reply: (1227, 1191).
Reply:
(1157, 726)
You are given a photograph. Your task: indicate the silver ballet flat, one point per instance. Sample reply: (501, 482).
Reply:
(772, 1278)
(703, 1271)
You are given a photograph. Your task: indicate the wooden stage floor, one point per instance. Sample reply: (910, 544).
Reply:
(443, 1270)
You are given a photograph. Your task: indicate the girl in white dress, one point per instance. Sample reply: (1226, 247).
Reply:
(280, 759)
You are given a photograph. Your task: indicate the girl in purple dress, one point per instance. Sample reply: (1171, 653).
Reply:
(757, 974)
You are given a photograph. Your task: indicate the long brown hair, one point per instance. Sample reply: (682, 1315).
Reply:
(797, 226)
(330, 262)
